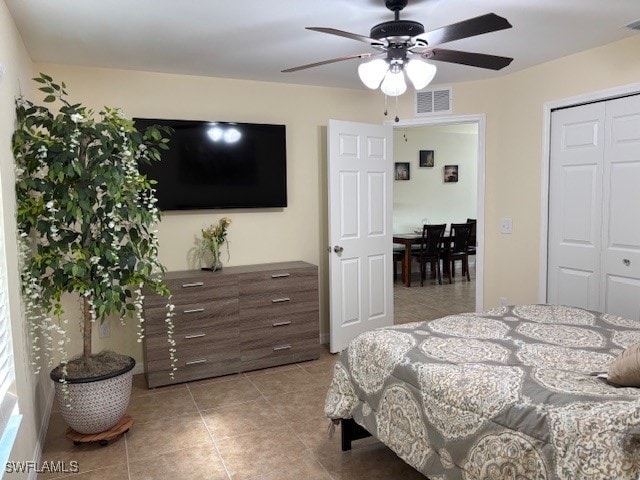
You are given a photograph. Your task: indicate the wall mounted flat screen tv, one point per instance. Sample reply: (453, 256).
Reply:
(213, 165)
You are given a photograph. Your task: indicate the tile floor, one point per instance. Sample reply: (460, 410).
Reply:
(262, 425)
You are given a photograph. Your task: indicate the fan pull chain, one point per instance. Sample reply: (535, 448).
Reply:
(385, 106)
(397, 119)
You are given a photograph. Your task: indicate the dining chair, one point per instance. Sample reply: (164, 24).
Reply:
(429, 251)
(398, 256)
(459, 248)
(472, 238)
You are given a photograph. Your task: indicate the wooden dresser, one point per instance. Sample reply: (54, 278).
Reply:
(234, 320)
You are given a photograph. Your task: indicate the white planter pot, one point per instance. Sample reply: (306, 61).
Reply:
(95, 405)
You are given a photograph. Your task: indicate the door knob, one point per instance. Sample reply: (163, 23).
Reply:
(338, 249)
(626, 262)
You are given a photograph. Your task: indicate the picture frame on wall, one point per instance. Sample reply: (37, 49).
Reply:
(427, 158)
(450, 173)
(402, 171)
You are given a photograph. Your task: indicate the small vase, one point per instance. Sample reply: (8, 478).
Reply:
(216, 264)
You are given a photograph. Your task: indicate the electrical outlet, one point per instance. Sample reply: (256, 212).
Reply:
(2, 70)
(503, 301)
(506, 225)
(105, 329)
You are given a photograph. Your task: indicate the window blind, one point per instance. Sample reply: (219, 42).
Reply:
(9, 418)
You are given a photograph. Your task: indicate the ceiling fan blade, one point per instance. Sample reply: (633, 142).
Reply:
(325, 62)
(481, 60)
(352, 36)
(465, 29)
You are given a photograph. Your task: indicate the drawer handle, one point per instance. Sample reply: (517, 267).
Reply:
(196, 362)
(194, 310)
(282, 324)
(194, 284)
(280, 275)
(195, 335)
(281, 347)
(281, 300)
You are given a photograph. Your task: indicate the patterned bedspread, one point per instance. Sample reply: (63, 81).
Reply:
(504, 394)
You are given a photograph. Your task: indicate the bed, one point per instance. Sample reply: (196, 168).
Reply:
(510, 393)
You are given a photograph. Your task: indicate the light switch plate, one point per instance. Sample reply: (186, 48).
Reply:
(506, 225)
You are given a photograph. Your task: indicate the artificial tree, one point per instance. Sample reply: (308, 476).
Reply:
(86, 220)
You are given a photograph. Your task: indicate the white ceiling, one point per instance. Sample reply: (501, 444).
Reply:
(255, 39)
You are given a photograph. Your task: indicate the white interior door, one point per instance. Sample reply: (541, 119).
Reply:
(575, 203)
(360, 229)
(620, 285)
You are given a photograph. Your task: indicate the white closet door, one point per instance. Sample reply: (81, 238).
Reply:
(620, 283)
(575, 206)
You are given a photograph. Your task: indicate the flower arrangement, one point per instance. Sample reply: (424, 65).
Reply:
(213, 238)
(86, 219)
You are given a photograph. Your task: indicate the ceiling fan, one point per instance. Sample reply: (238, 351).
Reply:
(404, 45)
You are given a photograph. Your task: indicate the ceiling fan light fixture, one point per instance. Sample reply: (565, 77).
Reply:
(394, 83)
(371, 73)
(420, 73)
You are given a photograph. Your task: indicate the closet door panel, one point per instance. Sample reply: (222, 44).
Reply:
(620, 284)
(575, 206)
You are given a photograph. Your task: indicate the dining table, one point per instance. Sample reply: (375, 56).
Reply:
(409, 240)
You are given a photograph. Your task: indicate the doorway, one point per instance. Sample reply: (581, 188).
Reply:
(430, 148)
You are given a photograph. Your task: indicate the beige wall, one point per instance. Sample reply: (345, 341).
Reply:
(33, 391)
(426, 195)
(297, 232)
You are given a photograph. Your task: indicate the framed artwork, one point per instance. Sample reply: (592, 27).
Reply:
(427, 158)
(450, 173)
(402, 171)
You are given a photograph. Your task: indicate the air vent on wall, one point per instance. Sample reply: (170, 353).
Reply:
(434, 101)
(634, 25)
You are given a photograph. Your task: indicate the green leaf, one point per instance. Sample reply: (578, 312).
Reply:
(49, 99)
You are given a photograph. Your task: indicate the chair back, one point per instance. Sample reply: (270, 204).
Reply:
(472, 237)
(432, 239)
(460, 233)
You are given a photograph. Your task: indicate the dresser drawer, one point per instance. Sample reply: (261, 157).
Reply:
(271, 324)
(255, 308)
(196, 315)
(277, 333)
(209, 344)
(279, 281)
(197, 340)
(194, 368)
(263, 356)
(200, 288)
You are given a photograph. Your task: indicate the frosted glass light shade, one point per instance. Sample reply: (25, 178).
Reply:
(394, 84)
(420, 73)
(371, 73)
